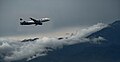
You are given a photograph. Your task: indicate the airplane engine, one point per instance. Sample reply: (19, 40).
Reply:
(40, 23)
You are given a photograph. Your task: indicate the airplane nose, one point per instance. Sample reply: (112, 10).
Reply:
(48, 18)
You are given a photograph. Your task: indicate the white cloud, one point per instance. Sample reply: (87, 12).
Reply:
(12, 50)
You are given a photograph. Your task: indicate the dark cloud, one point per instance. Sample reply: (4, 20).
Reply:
(63, 13)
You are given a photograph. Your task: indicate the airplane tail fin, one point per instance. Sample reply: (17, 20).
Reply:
(21, 19)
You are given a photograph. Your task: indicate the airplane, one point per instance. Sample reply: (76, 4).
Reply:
(34, 21)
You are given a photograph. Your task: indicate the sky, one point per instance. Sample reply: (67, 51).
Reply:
(63, 14)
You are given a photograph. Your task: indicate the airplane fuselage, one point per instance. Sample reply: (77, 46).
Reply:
(30, 23)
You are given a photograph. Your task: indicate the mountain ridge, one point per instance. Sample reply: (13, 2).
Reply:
(110, 33)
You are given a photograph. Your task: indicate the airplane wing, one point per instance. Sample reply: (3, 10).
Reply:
(33, 19)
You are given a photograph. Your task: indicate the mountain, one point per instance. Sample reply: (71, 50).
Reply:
(107, 51)
(111, 33)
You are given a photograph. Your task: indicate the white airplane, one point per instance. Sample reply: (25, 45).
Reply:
(34, 21)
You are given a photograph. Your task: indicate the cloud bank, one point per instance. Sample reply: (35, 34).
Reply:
(11, 50)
